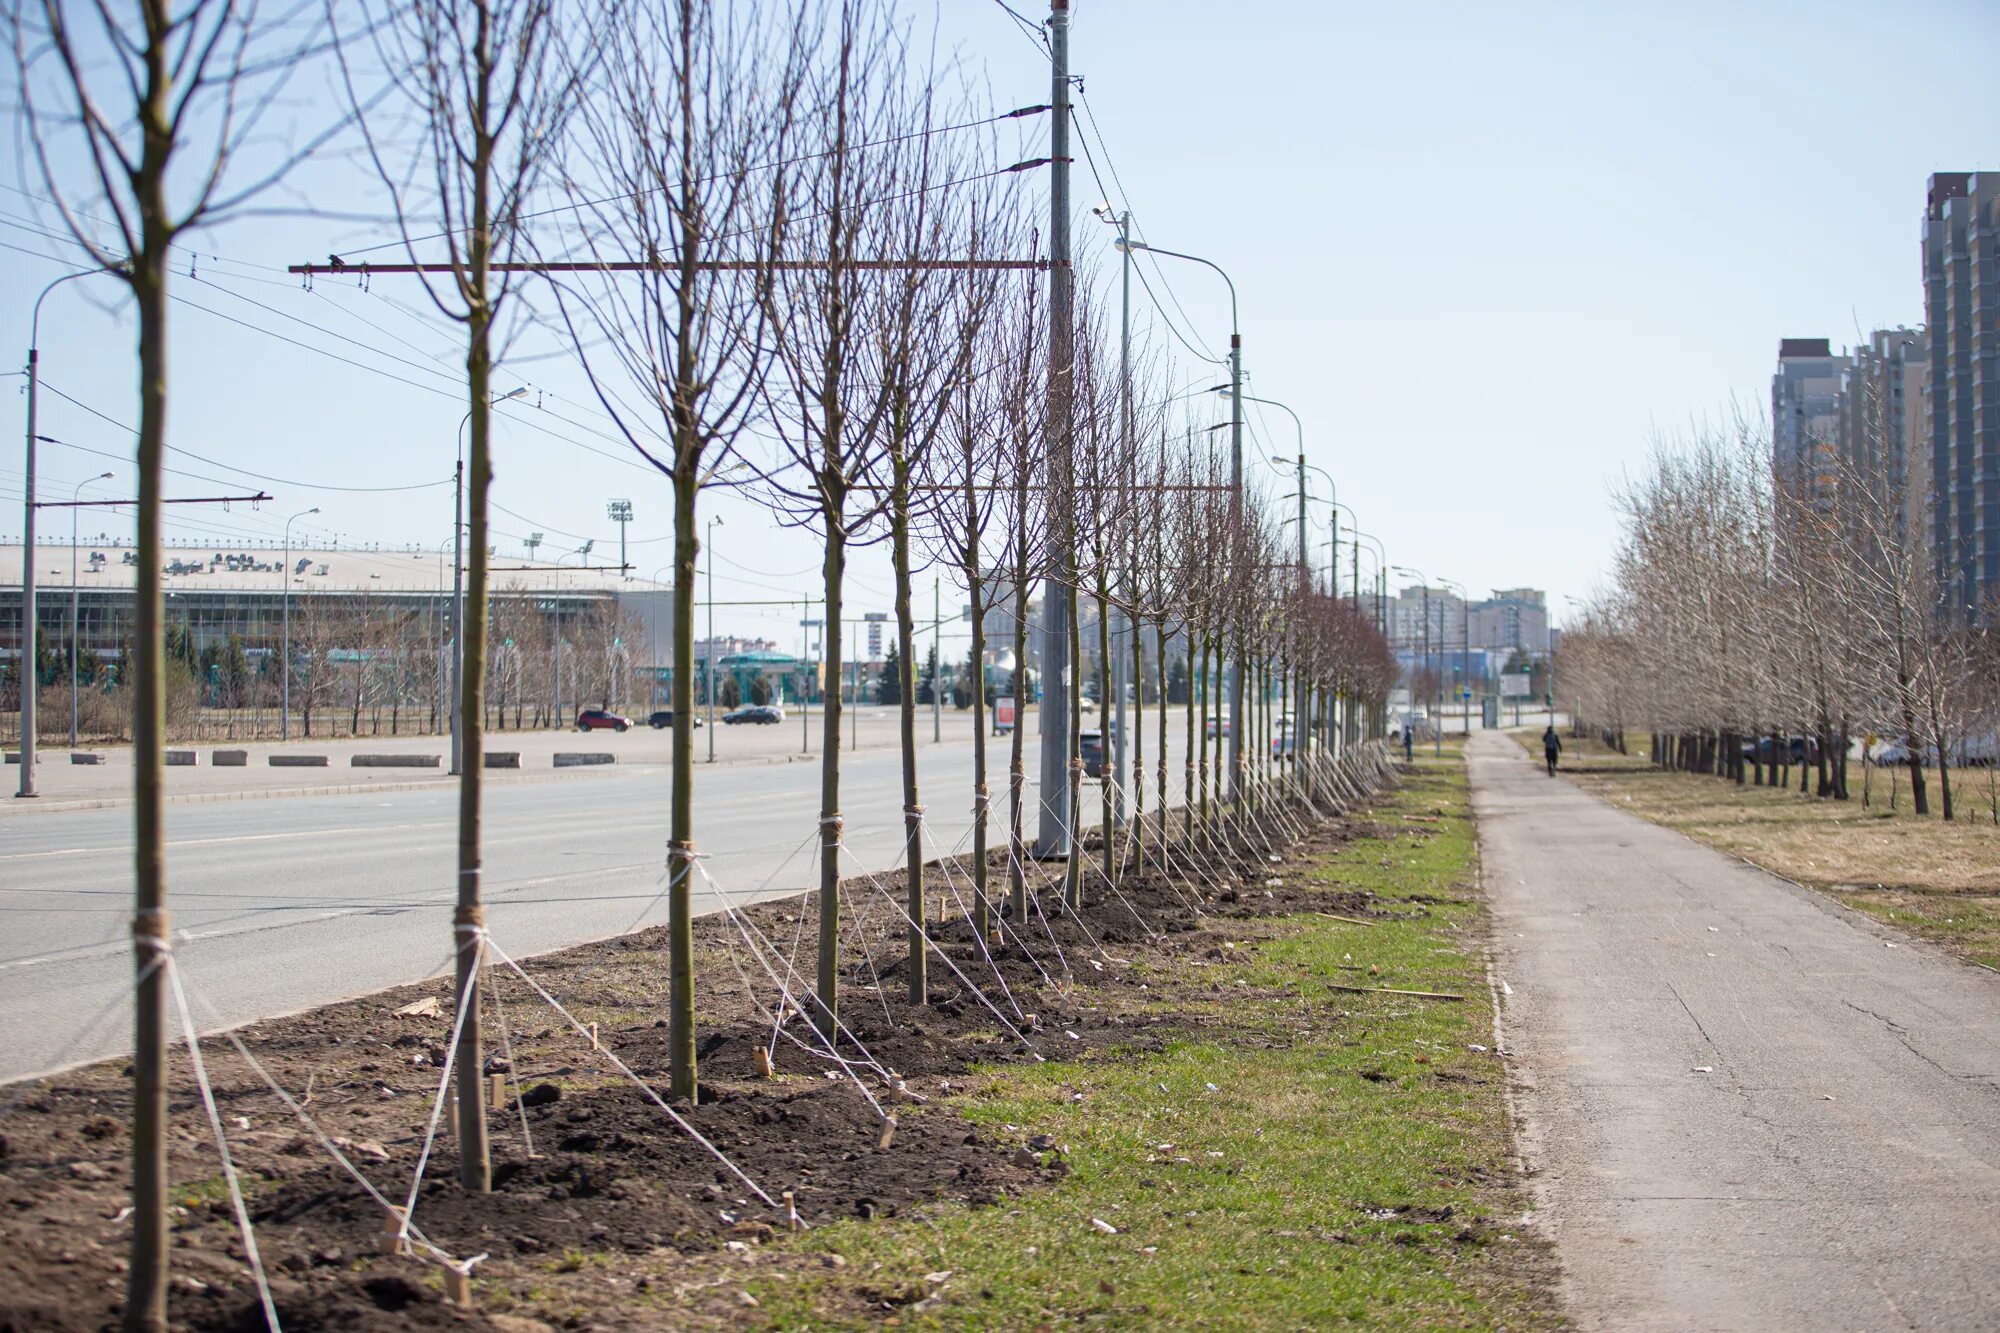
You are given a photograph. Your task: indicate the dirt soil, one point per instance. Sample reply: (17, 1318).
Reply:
(609, 1172)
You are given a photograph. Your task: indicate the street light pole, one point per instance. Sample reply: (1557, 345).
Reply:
(1235, 485)
(30, 629)
(1464, 651)
(75, 496)
(285, 642)
(1054, 834)
(1424, 580)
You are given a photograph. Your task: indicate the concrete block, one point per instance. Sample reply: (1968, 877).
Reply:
(228, 758)
(85, 757)
(503, 759)
(297, 761)
(14, 757)
(396, 761)
(182, 758)
(577, 759)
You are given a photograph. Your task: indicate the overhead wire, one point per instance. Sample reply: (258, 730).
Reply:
(231, 467)
(518, 218)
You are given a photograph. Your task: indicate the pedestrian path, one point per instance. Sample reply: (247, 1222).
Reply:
(1743, 1106)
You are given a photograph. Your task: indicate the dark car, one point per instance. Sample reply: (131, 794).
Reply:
(762, 715)
(1799, 750)
(1090, 748)
(664, 717)
(602, 719)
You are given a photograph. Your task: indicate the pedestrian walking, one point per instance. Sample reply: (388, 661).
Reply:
(1409, 741)
(1551, 747)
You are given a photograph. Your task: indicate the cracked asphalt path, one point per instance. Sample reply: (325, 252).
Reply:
(1743, 1109)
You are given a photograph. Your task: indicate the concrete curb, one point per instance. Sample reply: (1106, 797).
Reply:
(47, 805)
(395, 761)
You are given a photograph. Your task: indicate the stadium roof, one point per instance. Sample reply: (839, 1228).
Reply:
(254, 569)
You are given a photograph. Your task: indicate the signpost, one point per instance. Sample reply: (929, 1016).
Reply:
(1003, 715)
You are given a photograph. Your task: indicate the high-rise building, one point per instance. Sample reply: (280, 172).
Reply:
(1881, 423)
(1511, 619)
(1805, 407)
(1961, 249)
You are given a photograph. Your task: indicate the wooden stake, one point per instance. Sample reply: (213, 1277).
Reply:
(593, 1037)
(496, 1091)
(458, 1286)
(392, 1231)
(791, 1211)
(764, 1066)
(888, 1133)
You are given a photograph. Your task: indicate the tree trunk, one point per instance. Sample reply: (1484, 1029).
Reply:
(1106, 712)
(146, 1279)
(906, 725)
(469, 920)
(682, 1073)
(835, 570)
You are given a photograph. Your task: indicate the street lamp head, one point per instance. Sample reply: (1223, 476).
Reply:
(103, 476)
(521, 392)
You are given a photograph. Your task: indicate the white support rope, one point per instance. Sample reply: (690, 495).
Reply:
(513, 1066)
(777, 1013)
(466, 1001)
(964, 980)
(333, 1150)
(625, 1069)
(250, 1251)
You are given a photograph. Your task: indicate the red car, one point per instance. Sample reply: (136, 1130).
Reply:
(602, 719)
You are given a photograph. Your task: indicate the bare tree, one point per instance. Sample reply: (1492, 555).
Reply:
(680, 151)
(970, 489)
(922, 340)
(828, 418)
(486, 86)
(142, 118)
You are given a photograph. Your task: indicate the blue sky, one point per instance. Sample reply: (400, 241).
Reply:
(1490, 254)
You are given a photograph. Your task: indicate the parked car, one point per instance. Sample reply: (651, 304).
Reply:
(1090, 747)
(664, 717)
(1798, 750)
(1283, 743)
(1218, 726)
(762, 715)
(602, 719)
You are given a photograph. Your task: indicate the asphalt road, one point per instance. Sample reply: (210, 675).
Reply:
(1745, 1107)
(296, 901)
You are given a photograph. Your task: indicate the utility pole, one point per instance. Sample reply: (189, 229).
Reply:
(30, 628)
(1123, 221)
(620, 512)
(1053, 831)
(75, 634)
(285, 651)
(1236, 527)
(937, 664)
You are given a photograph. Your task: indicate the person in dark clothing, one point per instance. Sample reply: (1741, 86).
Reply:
(1409, 742)
(1551, 747)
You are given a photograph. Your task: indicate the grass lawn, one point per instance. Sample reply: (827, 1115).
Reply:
(1311, 1159)
(1937, 880)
